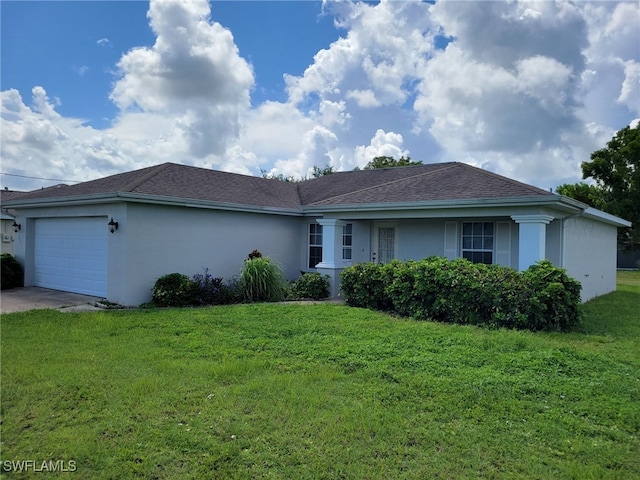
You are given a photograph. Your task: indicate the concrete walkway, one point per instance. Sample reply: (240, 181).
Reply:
(30, 298)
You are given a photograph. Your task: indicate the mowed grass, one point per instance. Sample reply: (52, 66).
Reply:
(321, 391)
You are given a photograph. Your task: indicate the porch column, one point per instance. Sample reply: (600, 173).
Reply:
(332, 263)
(531, 238)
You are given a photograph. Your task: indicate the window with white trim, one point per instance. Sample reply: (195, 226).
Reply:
(347, 242)
(477, 241)
(315, 244)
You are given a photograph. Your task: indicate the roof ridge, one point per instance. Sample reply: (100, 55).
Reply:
(444, 166)
(153, 171)
(532, 188)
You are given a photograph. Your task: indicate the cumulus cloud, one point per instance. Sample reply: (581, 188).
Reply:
(524, 88)
(194, 70)
(382, 144)
(38, 140)
(520, 82)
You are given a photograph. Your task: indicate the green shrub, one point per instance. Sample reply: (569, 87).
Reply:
(262, 280)
(458, 291)
(230, 292)
(363, 285)
(174, 290)
(555, 297)
(12, 273)
(206, 288)
(310, 285)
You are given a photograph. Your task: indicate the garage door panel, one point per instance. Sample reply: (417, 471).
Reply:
(71, 254)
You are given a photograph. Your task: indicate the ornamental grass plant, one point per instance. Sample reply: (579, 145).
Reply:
(262, 280)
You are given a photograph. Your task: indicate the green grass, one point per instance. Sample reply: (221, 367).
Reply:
(321, 391)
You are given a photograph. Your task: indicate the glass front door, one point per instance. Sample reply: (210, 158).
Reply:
(385, 244)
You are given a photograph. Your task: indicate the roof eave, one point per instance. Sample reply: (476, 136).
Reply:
(111, 197)
(605, 217)
(556, 201)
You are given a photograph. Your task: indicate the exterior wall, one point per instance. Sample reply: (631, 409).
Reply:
(7, 236)
(153, 240)
(553, 248)
(162, 240)
(589, 255)
(421, 238)
(417, 239)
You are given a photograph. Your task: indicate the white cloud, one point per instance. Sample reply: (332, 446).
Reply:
(364, 98)
(193, 71)
(382, 144)
(525, 88)
(630, 90)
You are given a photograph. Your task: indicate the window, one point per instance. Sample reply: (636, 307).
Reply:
(347, 241)
(477, 242)
(315, 244)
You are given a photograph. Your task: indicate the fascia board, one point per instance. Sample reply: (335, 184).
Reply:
(61, 201)
(149, 199)
(555, 201)
(605, 217)
(195, 203)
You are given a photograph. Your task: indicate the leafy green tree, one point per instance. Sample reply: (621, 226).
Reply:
(280, 176)
(585, 193)
(390, 162)
(321, 172)
(616, 170)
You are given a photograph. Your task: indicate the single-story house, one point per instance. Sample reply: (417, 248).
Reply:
(113, 237)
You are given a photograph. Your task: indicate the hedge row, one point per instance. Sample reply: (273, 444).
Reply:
(543, 297)
(260, 281)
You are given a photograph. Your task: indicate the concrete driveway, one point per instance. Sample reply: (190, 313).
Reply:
(31, 298)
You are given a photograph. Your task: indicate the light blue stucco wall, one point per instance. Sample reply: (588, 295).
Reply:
(165, 239)
(589, 255)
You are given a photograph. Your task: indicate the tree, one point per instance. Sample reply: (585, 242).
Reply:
(390, 162)
(616, 170)
(317, 172)
(280, 176)
(321, 172)
(585, 193)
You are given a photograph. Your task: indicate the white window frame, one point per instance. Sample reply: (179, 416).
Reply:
(347, 243)
(481, 238)
(317, 232)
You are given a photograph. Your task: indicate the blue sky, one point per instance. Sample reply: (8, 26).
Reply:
(71, 47)
(524, 89)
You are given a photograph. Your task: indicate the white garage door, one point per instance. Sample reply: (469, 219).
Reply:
(71, 254)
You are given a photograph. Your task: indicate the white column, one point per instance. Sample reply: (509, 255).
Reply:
(331, 243)
(332, 263)
(532, 238)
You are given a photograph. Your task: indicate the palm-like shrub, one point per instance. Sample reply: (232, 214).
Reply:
(262, 280)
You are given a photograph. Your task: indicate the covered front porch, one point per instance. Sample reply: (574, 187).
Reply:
(516, 241)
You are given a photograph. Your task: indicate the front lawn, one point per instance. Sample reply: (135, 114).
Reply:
(319, 391)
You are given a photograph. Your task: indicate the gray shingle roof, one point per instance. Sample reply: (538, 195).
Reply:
(443, 181)
(431, 182)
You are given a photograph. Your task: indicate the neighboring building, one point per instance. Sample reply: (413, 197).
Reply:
(175, 218)
(7, 221)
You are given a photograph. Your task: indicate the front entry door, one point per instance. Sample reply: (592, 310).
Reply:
(384, 244)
